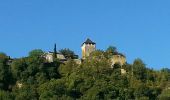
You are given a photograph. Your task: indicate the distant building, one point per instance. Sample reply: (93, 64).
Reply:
(49, 57)
(88, 47)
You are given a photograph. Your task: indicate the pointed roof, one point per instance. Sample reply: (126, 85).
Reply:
(88, 41)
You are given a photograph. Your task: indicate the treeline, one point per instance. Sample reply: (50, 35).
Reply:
(32, 78)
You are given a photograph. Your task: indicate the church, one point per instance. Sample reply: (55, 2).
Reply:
(87, 47)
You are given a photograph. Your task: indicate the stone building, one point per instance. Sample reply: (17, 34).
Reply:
(49, 56)
(87, 47)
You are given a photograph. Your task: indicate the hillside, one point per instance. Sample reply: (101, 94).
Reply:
(33, 78)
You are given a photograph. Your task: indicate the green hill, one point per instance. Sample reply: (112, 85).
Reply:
(32, 78)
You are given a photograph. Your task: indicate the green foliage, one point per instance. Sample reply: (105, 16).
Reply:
(18, 68)
(165, 74)
(5, 73)
(32, 78)
(36, 53)
(68, 53)
(5, 95)
(67, 68)
(165, 95)
(52, 89)
(26, 92)
(55, 52)
(111, 49)
(139, 70)
(97, 61)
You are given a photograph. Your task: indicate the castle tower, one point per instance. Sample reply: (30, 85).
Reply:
(87, 47)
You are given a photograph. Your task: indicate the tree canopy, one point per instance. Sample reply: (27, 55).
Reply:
(68, 53)
(32, 78)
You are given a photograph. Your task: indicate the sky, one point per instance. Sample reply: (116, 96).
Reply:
(138, 28)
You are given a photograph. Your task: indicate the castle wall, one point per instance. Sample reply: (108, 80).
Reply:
(118, 59)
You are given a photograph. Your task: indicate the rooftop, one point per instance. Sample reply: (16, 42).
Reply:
(88, 41)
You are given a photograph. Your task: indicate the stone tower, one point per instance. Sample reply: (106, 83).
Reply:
(87, 47)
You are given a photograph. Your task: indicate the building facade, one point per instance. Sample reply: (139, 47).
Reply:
(49, 57)
(88, 47)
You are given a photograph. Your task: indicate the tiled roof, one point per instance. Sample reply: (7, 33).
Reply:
(88, 41)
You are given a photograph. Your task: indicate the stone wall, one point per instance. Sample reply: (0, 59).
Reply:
(87, 49)
(118, 59)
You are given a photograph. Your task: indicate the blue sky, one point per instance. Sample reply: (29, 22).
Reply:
(138, 28)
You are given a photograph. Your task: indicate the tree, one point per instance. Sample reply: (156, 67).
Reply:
(25, 69)
(6, 78)
(68, 53)
(18, 68)
(97, 61)
(55, 52)
(165, 95)
(116, 71)
(139, 70)
(165, 74)
(54, 89)
(5, 95)
(27, 92)
(36, 53)
(52, 70)
(69, 67)
(93, 79)
(111, 49)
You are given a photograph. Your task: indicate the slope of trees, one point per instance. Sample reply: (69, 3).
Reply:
(31, 78)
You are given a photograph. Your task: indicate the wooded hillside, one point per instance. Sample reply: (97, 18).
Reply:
(32, 78)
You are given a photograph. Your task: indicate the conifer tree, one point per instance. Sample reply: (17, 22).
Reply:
(55, 52)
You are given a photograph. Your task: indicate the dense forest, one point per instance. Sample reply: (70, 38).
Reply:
(33, 78)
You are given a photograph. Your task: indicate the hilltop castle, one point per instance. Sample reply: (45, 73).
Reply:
(88, 47)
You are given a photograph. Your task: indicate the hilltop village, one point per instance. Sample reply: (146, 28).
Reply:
(87, 48)
(97, 75)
